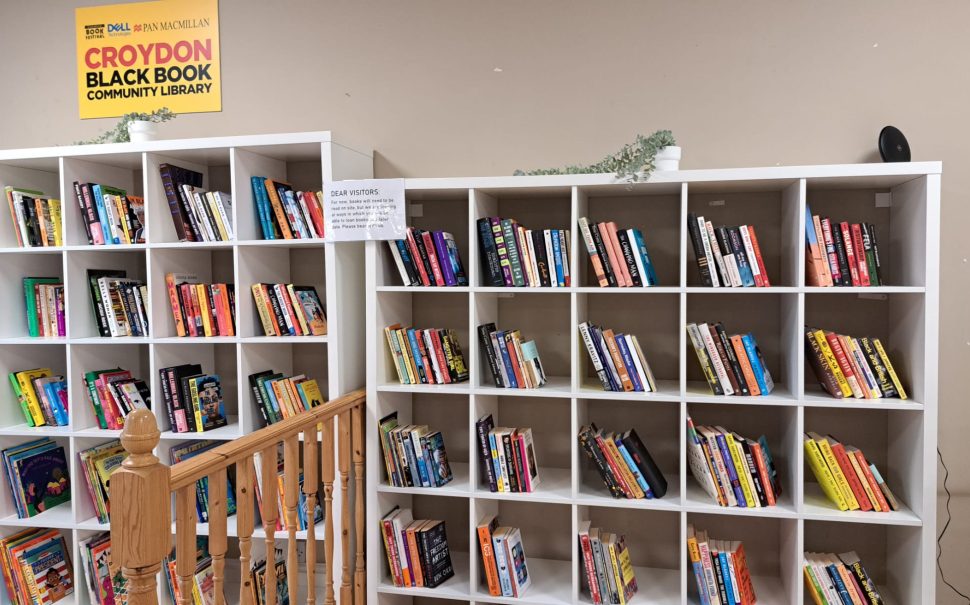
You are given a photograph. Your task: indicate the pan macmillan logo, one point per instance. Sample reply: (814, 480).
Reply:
(174, 24)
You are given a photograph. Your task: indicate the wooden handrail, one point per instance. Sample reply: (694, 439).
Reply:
(141, 491)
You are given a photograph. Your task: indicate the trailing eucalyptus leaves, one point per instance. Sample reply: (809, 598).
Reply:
(634, 161)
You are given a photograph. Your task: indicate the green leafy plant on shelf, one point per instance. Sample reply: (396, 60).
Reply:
(119, 133)
(634, 161)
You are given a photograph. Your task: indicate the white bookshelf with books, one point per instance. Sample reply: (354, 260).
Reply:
(448, 331)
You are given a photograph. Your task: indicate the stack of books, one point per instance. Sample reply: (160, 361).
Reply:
(727, 257)
(201, 309)
(37, 567)
(623, 462)
(103, 588)
(97, 464)
(197, 215)
(36, 218)
(44, 298)
(609, 576)
(42, 396)
(733, 470)
(428, 258)
(837, 579)
(258, 576)
(846, 366)
(515, 363)
(111, 215)
(288, 310)
(278, 396)
(120, 304)
(507, 457)
(301, 514)
(192, 399)
(114, 393)
(618, 359)
(37, 475)
(503, 557)
(417, 550)
(513, 256)
(732, 365)
(203, 580)
(287, 214)
(840, 254)
(428, 356)
(414, 455)
(619, 256)
(720, 570)
(191, 449)
(846, 478)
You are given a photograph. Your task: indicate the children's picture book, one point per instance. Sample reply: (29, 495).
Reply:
(38, 476)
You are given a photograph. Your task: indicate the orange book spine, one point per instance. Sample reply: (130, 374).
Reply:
(758, 257)
(274, 201)
(617, 360)
(618, 251)
(415, 558)
(850, 475)
(759, 463)
(611, 257)
(488, 561)
(745, 363)
(173, 299)
(873, 484)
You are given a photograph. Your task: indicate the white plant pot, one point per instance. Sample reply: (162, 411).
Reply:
(140, 131)
(668, 158)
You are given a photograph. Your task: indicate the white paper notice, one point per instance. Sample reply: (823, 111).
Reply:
(371, 209)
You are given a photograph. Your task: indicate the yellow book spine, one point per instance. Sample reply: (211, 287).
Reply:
(864, 481)
(55, 210)
(27, 388)
(813, 586)
(889, 368)
(614, 451)
(840, 480)
(203, 291)
(196, 407)
(833, 363)
(394, 356)
(298, 309)
(825, 479)
(616, 572)
(402, 340)
(741, 468)
(262, 310)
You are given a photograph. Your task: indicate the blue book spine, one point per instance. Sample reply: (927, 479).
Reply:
(600, 346)
(402, 249)
(102, 213)
(261, 198)
(433, 477)
(645, 256)
(839, 584)
(60, 414)
(633, 468)
(422, 465)
(273, 401)
(631, 367)
(728, 584)
(416, 354)
(756, 368)
(502, 564)
(494, 459)
(444, 261)
(701, 582)
(507, 360)
(560, 277)
(732, 472)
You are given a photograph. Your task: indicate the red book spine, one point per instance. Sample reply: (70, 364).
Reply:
(850, 253)
(416, 256)
(860, 255)
(392, 553)
(439, 352)
(186, 291)
(840, 355)
(757, 254)
(849, 471)
(439, 279)
(516, 368)
(833, 257)
(613, 467)
(873, 484)
(287, 307)
(759, 462)
(591, 578)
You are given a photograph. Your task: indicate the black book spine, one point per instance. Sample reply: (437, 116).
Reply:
(645, 464)
(695, 237)
(510, 463)
(628, 253)
(519, 463)
(423, 253)
(718, 574)
(30, 216)
(438, 556)
(231, 295)
(840, 253)
(85, 211)
(491, 268)
(167, 398)
(408, 262)
(740, 256)
(484, 336)
(875, 253)
(759, 489)
(592, 450)
(604, 256)
(542, 259)
(179, 219)
(99, 313)
(134, 317)
(482, 427)
(258, 398)
(733, 363)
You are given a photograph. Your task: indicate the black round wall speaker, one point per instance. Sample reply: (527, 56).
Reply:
(893, 146)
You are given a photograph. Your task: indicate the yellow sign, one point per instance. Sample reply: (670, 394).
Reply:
(144, 56)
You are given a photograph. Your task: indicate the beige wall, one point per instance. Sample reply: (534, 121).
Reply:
(740, 84)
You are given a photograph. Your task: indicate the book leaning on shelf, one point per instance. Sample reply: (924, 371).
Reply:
(732, 365)
(203, 577)
(36, 218)
(623, 463)
(619, 256)
(837, 579)
(618, 359)
(414, 455)
(301, 508)
(732, 469)
(840, 254)
(278, 396)
(97, 464)
(201, 309)
(503, 558)
(846, 366)
(608, 570)
(846, 478)
(515, 363)
(37, 476)
(110, 215)
(513, 256)
(197, 215)
(506, 457)
(287, 214)
(113, 394)
(42, 396)
(727, 257)
(258, 584)
(720, 570)
(44, 300)
(189, 450)
(37, 567)
(288, 310)
(417, 549)
(120, 304)
(426, 356)
(103, 588)
(193, 400)
(428, 258)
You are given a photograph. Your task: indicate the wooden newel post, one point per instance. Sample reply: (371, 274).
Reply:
(141, 516)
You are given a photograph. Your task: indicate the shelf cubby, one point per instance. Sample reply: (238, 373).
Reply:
(214, 165)
(38, 174)
(288, 358)
(95, 357)
(214, 358)
(60, 516)
(79, 307)
(16, 358)
(121, 170)
(13, 307)
(209, 265)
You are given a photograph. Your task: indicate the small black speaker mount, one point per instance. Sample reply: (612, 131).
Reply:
(893, 146)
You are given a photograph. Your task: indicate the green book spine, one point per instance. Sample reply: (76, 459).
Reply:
(21, 399)
(89, 378)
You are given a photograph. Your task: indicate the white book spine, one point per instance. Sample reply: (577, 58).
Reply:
(731, 263)
(716, 360)
(396, 254)
(207, 225)
(699, 467)
(705, 240)
(749, 250)
(530, 246)
(637, 258)
(636, 362)
(224, 204)
(553, 279)
(716, 250)
(429, 345)
(710, 580)
(501, 561)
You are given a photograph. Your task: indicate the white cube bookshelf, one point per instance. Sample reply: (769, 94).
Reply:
(898, 436)
(336, 360)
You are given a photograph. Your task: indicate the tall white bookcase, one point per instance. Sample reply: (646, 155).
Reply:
(898, 548)
(306, 160)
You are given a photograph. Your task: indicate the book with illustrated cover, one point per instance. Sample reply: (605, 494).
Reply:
(190, 450)
(258, 575)
(732, 470)
(38, 476)
(36, 566)
(207, 399)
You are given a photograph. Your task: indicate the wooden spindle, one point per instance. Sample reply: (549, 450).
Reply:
(357, 421)
(218, 512)
(291, 499)
(311, 483)
(245, 519)
(269, 473)
(343, 460)
(327, 476)
(185, 548)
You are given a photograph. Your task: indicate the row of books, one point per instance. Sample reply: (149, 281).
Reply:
(428, 258)
(623, 462)
(840, 254)
(36, 218)
(507, 457)
(197, 215)
(503, 558)
(302, 521)
(278, 396)
(609, 576)
(414, 455)
(191, 449)
(720, 570)
(114, 393)
(287, 214)
(426, 356)
(846, 478)
(618, 359)
(44, 299)
(120, 303)
(732, 365)
(37, 475)
(513, 256)
(258, 582)
(619, 256)
(103, 588)
(417, 550)
(97, 464)
(514, 363)
(288, 310)
(846, 366)
(732, 469)
(42, 396)
(201, 309)
(110, 215)
(192, 399)
(36, 567)
(728, 257)
(203, 577)
(839, 580)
